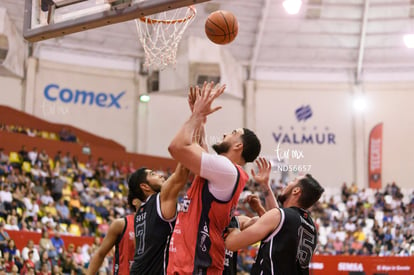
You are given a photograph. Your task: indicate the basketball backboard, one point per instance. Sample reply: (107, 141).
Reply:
(46, 19)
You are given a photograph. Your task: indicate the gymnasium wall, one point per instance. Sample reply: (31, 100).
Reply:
(392, 104)
(96, 100)
(166, 114)
(11, 92)
(329, 108)
(307, 128)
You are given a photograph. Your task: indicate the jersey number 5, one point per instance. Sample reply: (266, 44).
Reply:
(305, 247)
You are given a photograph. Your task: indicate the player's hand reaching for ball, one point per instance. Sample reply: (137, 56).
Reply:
(264, 169)
(208, 93)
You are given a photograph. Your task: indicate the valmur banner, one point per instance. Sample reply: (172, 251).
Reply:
(367, 265)
(375, 157)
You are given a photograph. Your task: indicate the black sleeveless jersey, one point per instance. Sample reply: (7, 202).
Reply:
(152, 235)
(289, 248)
(230, 258)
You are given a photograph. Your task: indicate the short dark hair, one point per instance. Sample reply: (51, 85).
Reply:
(311, 191)
(134, 181)
(251, 145)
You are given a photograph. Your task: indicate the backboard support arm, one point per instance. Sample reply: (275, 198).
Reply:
(98, 19)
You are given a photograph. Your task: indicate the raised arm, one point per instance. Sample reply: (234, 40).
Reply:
(170, 189)
(182, 148)
(114, 231)
(199, 135)
(262, 178)
(237, 239)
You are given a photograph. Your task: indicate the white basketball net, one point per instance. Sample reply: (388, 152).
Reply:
(161, 33)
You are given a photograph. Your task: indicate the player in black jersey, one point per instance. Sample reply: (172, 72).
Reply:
(242, 222)
(155, 218)
(288, 234)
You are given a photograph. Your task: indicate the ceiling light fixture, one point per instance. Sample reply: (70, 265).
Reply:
(292, 6)
(409, 41)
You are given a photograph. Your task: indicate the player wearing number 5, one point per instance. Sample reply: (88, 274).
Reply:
(288, 234)
(155, 218)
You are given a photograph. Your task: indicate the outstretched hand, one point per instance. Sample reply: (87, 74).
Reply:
(204, 98)
(262, 176)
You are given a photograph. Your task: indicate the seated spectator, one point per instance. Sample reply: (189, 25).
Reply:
(63, 212)
(90, 218)
(58, 242)
(36, 171)
(45, 269)
(66, 261)
(66, 135)
(48, 221)
(45, 244)
(43, 157)
(8, 261)
(75, 229)
(32, 132)
(32, 155)
(75, 205)
(3, 211)
(28, 268)
(3, 157)
(78, 257)
(6, 196)
(78, 184)
(19, 193)
(46, 198)
(4, 237)
(338, 246)
(56, 270)
(30, 247)
(32, 208)
(58, 183)
(23, 154)
(14, 270)
(67, 162)
(12, 249)
(12, 223)
(44, 260)
(101, 210)
(18, 262)
(72, 137)
(103, 228)
(51, 208)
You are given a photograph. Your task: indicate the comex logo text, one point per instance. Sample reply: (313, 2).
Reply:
(53, 92)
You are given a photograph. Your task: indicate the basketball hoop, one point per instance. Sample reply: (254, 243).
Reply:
(161, 34)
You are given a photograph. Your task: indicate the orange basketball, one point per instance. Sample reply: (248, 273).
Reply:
(221, 27)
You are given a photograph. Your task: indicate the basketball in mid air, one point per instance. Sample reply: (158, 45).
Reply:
(221, 27)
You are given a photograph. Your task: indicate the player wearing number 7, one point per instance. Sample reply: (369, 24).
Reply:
(288, 234)
(155, 218)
